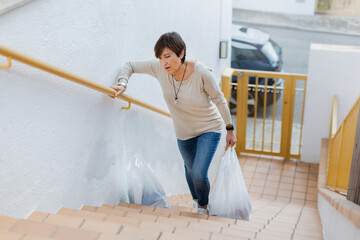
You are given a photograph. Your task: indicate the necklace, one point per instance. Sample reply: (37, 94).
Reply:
(177, 91)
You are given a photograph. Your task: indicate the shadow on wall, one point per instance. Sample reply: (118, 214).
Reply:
(152, 136)
(100, 160)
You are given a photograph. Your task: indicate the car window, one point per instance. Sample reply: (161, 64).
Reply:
(246, 54)
(270, 52)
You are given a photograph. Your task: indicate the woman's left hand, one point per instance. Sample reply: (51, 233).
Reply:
(230, 138)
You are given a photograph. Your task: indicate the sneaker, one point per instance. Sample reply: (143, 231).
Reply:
(195, 204)
(203, 211)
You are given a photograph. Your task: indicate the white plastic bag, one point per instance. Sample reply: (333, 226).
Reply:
(143, 186)
(230, 197)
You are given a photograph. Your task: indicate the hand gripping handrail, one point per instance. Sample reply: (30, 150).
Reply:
(11, 54)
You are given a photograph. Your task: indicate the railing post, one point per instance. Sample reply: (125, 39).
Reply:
(353, 193)
(287, 115)
(242, 105)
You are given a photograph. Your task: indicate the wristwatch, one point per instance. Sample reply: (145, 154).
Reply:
(229, 128)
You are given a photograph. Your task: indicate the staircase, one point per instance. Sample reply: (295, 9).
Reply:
(284, 207)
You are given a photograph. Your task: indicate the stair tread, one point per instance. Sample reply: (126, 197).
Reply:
(194, 215)
(113, 237)
(152, 211)
(127, 209)
(217, 236)
(82, 224)
(141, 216)
(7, 222)
(176, 222)
(28, 237)
(109, 211)
(141, 223)
(10, 235)
(237, 232)
(192, 233)
(38, 216)
(30, 227)
(134, 233)
(162, 227)
(142, 207)
(123, 220)
(159, 214)
(203, 227)
(82, 214)
(89, 208)
(75, 234)
(171, 236)
(66, 221)
(103, 227)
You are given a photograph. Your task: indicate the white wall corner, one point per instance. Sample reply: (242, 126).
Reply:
(331, 72)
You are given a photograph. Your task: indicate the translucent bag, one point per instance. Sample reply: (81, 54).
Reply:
(229, 197)
(143, 186)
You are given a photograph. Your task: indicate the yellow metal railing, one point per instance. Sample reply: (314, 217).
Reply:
(273, 132)
(13, 55)
(341, 146)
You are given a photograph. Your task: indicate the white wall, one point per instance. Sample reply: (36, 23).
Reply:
(306, 7)
(333, 70)
(62, 144)
(335, 225)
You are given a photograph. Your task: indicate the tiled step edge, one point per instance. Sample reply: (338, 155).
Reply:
(347, 208)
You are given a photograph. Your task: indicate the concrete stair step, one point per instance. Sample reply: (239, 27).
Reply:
(140, 233)
(172, 236)
(273, 217)
(34, 229)
(10, 235)
(91, 225)
(125, 222)
(7, 222)
(186, 233)
(28, 237)
(82, 214)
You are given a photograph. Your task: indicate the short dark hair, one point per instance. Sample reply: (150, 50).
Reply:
(173, 41)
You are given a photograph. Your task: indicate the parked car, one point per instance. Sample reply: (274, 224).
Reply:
(253, 49)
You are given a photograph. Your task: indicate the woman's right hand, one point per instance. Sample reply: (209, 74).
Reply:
(119, 90)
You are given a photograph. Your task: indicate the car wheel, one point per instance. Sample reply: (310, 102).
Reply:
(251, 103)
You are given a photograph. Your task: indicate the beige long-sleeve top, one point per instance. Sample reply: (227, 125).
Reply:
(201, 106)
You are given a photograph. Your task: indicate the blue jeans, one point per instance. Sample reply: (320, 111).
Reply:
(197, 154)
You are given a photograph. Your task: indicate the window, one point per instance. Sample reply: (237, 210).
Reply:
(246, 54)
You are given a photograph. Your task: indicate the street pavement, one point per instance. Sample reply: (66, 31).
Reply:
(348, 25)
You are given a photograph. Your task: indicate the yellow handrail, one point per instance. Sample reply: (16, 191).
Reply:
(72, 77)
(341, 146)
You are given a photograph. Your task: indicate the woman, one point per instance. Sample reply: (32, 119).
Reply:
(197, 106)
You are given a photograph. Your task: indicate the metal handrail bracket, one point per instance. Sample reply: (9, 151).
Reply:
(9, 64)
